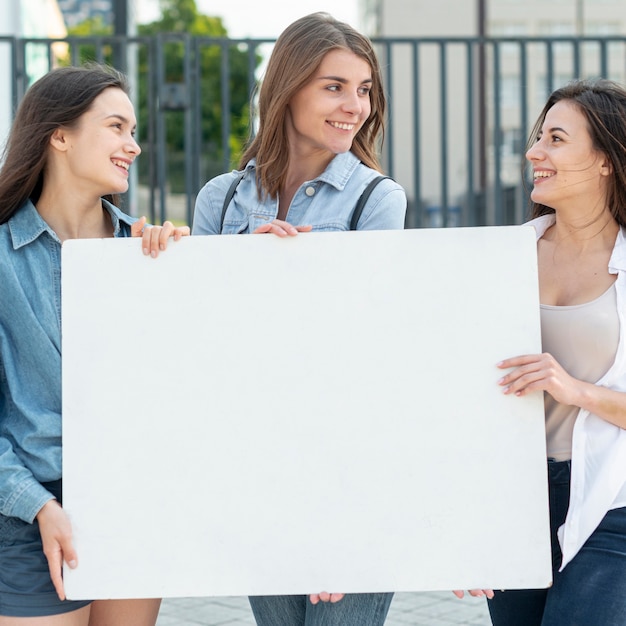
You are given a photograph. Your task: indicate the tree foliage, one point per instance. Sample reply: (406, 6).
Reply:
(182, 18)
(192, 46)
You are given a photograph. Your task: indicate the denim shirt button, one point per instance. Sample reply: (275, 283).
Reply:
(310, 191)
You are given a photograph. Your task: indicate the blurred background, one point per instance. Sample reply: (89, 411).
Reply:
(465, 81)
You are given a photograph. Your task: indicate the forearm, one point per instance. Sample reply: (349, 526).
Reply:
(608, 404)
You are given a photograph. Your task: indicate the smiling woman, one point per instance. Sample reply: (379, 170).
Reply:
(578, 156)
(66, 162)
(321, 114)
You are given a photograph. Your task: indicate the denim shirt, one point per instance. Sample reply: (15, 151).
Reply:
(30, 358)
(326, 203)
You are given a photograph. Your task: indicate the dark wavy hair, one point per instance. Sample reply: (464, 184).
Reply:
(295, 59)
(603, 103)
(57, 99)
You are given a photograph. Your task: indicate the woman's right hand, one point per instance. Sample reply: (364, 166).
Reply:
(477, 593)
(56, 536)
(326, 597)
(281, 229)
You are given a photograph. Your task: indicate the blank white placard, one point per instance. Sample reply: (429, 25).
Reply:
(255, 415)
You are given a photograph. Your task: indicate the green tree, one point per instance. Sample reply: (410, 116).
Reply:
(180, 20)
(182, 17)
(84, 52)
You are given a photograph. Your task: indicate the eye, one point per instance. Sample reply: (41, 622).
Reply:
(333, 88)
(365, 90)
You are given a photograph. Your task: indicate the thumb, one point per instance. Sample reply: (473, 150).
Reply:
(137, 227)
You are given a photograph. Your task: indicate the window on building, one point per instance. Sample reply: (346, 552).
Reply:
(510, 92)
(543, 89)
(602, 29)
(512, 143)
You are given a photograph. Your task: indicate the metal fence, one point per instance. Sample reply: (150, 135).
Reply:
(459, 111)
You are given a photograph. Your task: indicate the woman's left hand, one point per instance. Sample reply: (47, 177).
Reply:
(326, 597)
(154, 238)
(476, 593)
(539, 372)
(281, 229)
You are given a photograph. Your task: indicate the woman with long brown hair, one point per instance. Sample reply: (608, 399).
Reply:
(66, 162)
(321, 117)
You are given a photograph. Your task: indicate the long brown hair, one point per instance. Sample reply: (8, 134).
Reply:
(57, 99)
(296, 57)
(603, 103)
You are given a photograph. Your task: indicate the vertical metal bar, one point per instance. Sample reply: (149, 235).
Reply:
(389, 142)
(189, 142)
(120, 29)
(99, 43)
(49, 55)
(18, 74)
(161, 148)
(417, 157)
(443, 96)
(497, 137)
(470, 195)
(576, 43)
(225, 100)
(195, 102)
(74, 51)
(482, 99)
(523, 199)
(152, 102)
(604, 58)
(21, 74)
(252, 83)
(549, 66)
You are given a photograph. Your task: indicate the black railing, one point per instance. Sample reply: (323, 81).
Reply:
(460, 110)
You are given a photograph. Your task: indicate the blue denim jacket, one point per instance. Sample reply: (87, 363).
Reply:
(326, 202)
(30, 358)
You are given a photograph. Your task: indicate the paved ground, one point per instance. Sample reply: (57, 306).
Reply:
(420, 609)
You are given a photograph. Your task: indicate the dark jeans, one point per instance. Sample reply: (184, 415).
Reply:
(590, 591)
(356, 609)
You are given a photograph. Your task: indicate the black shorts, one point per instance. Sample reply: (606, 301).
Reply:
(26, 589)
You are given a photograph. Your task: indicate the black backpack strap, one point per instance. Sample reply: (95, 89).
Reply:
(229, 196)
(358, 209)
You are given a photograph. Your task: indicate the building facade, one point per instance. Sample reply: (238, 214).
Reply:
(470, 106)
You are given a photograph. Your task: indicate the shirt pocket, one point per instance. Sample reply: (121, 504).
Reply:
(235, 227)
(330, 227)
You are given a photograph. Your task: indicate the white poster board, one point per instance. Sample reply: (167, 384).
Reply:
(255, 415)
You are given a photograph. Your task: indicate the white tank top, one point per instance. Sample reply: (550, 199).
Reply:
(583, 338)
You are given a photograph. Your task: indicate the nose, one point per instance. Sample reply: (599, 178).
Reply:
(535, 152)
(353, 103)
(133, 147)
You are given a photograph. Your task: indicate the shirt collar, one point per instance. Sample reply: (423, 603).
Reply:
(337, 173)
(26, 225)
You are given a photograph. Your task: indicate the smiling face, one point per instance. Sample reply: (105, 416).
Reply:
(101, 147)
(328, 112)
(567, 168)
